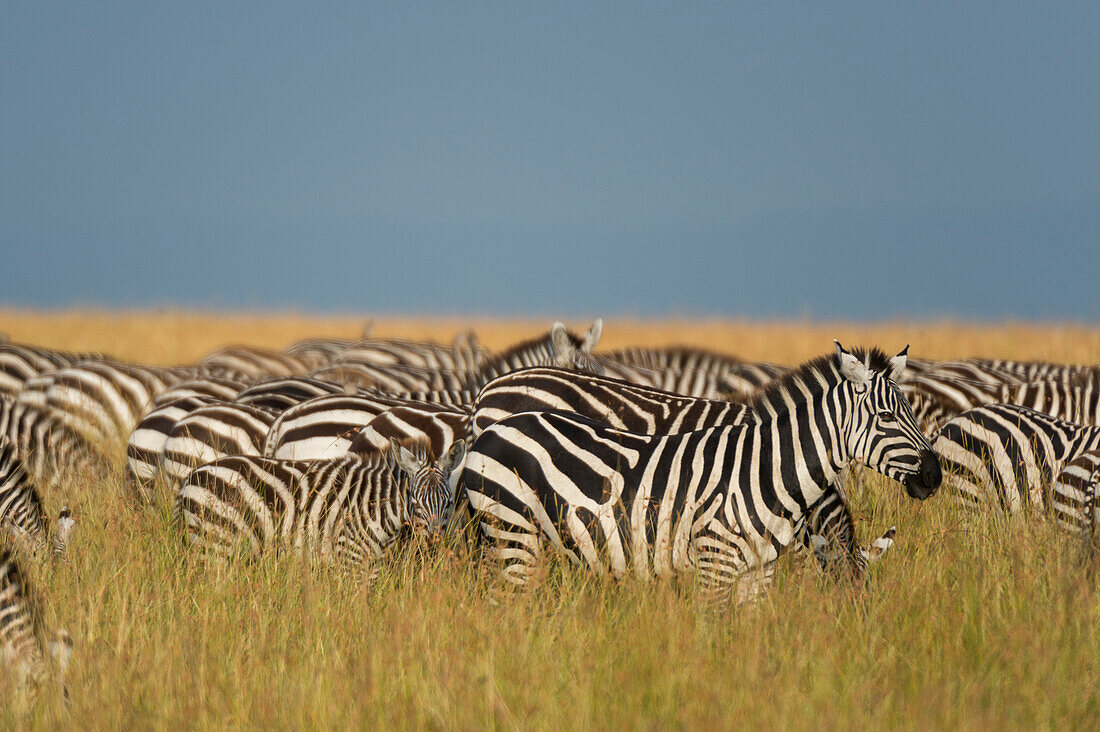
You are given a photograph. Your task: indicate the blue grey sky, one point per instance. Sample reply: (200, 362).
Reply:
(852, 160)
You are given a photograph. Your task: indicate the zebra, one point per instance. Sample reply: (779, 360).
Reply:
(630, 408)
(21, 647)
(1011, 456)
(212, 387)
(944, 390)
(46, 446)
(463, 355)
(1029, 371)
(721, 502)
(559, 347)
(145, 446)
(441, 431)
(103, 400)
(211, 433)
(324, 427)
(1077, 489)
(284, 393)
(395, 379)
(347, 510)
(258, 362)
(686, 367)
(20, 362)
(21, 511)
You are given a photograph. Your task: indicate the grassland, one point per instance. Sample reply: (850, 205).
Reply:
(971, 621)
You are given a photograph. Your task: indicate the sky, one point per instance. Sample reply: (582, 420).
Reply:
(829, 160)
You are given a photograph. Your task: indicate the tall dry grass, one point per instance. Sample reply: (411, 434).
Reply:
(972, 621)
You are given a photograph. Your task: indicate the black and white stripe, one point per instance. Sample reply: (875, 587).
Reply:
(346, 510)
(20, 362)
(208, 434)
(21, 638)
(695, 371)
(1010, 456)
(631, 408)
(324, 427)
(282, 394)
(722, 502)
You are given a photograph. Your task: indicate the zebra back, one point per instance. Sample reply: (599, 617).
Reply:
(256, 362)
(463, 355)
(619, 404)
(282, 394)
(19, 362)
(438, 430)
(323, 427)
(211, 433)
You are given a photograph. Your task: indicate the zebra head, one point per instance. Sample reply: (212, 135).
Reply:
(571, 352)
(429, 501)
(881, 431)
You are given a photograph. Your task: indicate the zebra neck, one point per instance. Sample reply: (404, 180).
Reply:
(805, 430)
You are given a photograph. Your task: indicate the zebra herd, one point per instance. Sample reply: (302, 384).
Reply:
(672, 462)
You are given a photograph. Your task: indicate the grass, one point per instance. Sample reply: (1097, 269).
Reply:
(970, 621)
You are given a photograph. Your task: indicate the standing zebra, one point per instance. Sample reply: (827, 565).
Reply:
(1010, 456)
(630, 408)
(347, 510)
(722, 502)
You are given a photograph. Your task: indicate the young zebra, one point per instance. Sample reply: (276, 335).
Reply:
(21, 645)
(722, 502)
(1010, 456)
(631, 408)
(347, 510)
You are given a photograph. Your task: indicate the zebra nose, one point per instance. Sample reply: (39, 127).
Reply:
(930, 473)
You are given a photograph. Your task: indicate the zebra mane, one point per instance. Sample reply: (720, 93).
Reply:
(811, 375)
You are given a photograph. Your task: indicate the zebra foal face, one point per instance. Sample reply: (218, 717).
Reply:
(430, 501)
(882, 433)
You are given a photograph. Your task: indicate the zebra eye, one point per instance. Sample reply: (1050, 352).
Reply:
(887, 416)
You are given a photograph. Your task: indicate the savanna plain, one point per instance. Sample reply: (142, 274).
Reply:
(972, 620)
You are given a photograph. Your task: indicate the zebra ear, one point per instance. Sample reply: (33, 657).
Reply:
(368, 328)
(592, 336)
(455, 454)
(559, 338)
(898, 362)
(405, 458)
(850, 367)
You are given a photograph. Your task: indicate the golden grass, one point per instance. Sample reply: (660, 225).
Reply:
(970, 621)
